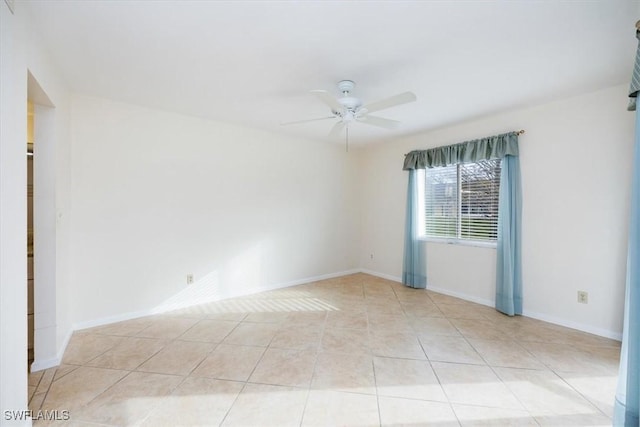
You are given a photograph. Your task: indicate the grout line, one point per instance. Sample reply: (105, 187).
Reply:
(244, 385)
(215, 347)
(37, 385)
(375, 385)
(581, 395)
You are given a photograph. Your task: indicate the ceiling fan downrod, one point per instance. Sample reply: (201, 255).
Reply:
(347, 137)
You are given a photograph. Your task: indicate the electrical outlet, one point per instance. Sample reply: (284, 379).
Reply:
(189, 279)
(583, 297)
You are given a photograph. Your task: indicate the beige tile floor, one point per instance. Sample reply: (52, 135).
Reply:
(356, 350)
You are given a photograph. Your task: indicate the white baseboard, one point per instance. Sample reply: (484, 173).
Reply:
(431, 288)
(461, 295)
(233, 293)
(39, 365)
(573, 325)
(110, 319)
(527, 313)
(381, 275)
(64, 345)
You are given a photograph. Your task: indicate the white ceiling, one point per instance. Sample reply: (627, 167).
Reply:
(254, 63)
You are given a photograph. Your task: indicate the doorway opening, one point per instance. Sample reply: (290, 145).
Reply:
(41, 229)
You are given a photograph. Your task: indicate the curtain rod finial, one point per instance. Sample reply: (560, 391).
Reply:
(520, 132)
(638, 25)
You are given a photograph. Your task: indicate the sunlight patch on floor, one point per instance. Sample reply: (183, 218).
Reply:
(202, 297)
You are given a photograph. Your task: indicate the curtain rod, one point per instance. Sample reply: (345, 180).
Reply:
(521, 131)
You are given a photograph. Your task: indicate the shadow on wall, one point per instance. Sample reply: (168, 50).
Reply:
(242, 275)
(198, 296)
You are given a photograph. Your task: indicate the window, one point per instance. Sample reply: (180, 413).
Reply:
(461, 201)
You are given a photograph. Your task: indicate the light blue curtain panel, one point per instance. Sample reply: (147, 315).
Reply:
(627, 403)
(508, 256)
(414, 269)
(509, 263)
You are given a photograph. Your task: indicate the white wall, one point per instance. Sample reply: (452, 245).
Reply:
(13, 217)
(576, 168)
(159, 195)
(21, 52)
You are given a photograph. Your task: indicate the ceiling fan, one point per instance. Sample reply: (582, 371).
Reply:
(349, 109)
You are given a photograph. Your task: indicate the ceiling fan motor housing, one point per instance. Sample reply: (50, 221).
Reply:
(349, 103)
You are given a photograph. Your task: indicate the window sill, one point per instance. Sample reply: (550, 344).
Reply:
(461, 242)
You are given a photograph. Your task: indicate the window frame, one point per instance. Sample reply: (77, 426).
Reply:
(422, 180)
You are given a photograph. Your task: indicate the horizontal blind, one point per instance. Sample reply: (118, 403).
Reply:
(461, 201)
(479, 191)
(441, 201)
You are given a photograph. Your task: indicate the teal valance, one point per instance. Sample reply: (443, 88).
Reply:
(493, 147)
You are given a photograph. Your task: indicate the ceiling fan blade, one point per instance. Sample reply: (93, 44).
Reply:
(306, 121)
(328, 99)
(399, 99)
(336, 129)
(361, 112)
(379, 121)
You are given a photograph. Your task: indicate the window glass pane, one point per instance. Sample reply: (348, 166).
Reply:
(441, 201)
(461, 201)
(480, 184)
